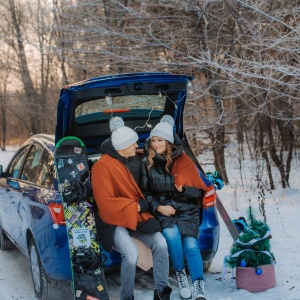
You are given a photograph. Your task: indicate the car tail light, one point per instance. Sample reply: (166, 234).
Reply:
(120, 110)
(210, 197)
(57, 213)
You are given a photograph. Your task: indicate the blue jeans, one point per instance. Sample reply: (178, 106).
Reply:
(124, 244)
(181, 247)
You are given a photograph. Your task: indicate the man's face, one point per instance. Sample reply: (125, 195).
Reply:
(129, 151)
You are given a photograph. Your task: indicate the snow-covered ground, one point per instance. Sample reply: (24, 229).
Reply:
(282, 208)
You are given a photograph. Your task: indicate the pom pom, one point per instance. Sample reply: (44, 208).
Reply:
(168, 119)
(116, 123)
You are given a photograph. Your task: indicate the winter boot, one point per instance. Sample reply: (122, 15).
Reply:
(199, 289)
(162, 294)
(184, 288)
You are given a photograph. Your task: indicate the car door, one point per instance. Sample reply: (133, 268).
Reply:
(10, 192)
(29, 190)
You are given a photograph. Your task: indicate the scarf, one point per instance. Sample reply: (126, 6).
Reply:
(186, 174)
(116, 193)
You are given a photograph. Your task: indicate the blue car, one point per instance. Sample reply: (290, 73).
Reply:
(31, 214)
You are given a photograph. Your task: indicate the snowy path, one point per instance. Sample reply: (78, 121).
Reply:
(16, 283)
(282, 210)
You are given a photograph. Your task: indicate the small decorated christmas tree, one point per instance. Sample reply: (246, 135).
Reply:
(252, 251)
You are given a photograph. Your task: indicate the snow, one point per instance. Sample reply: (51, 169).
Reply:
(282, 207)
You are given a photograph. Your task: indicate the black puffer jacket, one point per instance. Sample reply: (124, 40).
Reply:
(159, 189)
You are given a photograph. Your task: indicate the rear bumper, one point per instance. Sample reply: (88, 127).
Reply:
(209, 233)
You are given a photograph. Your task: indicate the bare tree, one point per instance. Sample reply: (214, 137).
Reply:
(4, 71)
(15, 40)
(244, 55)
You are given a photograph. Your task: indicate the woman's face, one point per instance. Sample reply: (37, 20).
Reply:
(159, 144)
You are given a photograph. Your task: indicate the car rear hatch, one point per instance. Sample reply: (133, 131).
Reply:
(85, 108)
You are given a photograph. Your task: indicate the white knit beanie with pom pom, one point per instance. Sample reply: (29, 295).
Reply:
(122, 136)
(164, 129)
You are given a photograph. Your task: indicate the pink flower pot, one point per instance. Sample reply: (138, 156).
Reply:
(247, 279)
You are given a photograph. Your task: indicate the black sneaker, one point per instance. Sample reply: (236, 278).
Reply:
(162, 294)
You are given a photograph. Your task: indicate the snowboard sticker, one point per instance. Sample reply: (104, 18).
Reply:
(86, 258)
(81, 237)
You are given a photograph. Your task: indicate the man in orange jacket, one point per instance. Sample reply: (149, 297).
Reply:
(123, 211)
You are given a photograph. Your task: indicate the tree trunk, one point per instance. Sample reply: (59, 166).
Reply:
(218, 151)
(272, 149)
(264, 153)
(30, 93)
(3, 121)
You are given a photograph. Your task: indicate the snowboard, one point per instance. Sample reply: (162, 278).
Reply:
(220, 207)
(86, 256)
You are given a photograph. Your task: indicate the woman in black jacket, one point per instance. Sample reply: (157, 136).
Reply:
(173, 187)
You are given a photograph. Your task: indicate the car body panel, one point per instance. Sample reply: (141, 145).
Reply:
(24, 214)
(7, 194)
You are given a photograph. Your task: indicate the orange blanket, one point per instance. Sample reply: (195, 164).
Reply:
(116, 193)
(186, 173)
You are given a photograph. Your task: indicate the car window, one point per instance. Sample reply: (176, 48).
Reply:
(46, 174)
(15, 165)
(31, 167)
(128, 107)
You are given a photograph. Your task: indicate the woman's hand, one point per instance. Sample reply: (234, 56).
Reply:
(166, 210)
(179, 188)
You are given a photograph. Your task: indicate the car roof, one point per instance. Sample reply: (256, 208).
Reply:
(46, 140)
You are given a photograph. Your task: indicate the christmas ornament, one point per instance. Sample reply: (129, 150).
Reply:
(258, 271)
(243, 263)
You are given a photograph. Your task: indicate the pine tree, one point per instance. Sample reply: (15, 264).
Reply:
(252, 249)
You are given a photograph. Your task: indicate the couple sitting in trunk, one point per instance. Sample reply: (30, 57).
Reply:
(154, 201)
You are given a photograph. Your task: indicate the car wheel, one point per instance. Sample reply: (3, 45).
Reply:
(5, 242)
(207, 265)
(44, 287)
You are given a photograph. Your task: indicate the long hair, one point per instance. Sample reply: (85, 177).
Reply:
(168, 155)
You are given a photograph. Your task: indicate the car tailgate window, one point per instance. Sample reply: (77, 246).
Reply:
(128, 107)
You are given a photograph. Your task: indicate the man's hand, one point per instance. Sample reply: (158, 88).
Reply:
(166, 210)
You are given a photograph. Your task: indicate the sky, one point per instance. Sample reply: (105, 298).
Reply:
(282, 208)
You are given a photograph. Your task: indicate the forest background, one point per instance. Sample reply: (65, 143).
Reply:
(244, 55)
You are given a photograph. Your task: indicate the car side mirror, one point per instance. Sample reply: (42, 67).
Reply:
(14, 184)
